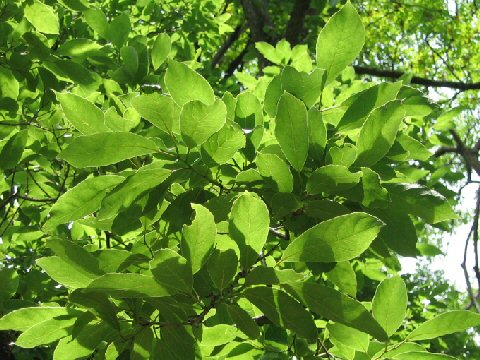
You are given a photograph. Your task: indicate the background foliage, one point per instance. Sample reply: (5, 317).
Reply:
(209, 179)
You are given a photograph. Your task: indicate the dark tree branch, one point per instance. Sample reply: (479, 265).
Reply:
(469, 155)
(256, 14)
(474, 232)
(295, 23)
(236, 62)
(257, 19)
(227, 44)
(475, 239)
(463, 86)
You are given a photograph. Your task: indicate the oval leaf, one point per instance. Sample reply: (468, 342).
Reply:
(389, 305)
(106, 149)
(339, 239)
(199, 238)
(249, 226)
(340, 41)
(446, 323)
(84, 115)
(291, 130)
(185, 84)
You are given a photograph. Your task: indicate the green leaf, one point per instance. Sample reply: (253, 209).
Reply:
(116, 122)
(118, 30)
(446, 323)
(180, 77)
(225, 143)
(9, 86)
(80, 48)
(317, 132)
(374, 194)
(417, 200)
(340, 41)
(283, 310)
(222, 267)
(421, 355)
(85, 116)
(160, 50)
(106, 149)
(143, 180)
(73, 266)
(306, 87)
(97, 303)
(291, 130)
(85, 342)
(399, 232)
(389, 305)
(268, 51)
(272, 95)
(361, 104)
(81, 200)
(9, 280)
(128, 285)
(23, 319)
(42, 17)
(199, 121)
(244, 321)
(348, 336)
(249, 226)
(45, 332)
(416, 149)
(142, 344)
(176, 343)
(337, 307)
(339, 239)
(160, 110)
(172, 271)
(332, 179)
(129, 58)
(12, 151)
(96, 19)
(378, 133)
(324, 209)
(58, 269)
(270, 165)
(344, 277)
(262, 275)
(199, 238)
(218, 334)
(344, 155)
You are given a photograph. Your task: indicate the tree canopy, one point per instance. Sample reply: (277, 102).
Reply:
(233, 179)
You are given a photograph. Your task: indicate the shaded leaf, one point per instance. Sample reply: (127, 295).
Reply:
(339, 239)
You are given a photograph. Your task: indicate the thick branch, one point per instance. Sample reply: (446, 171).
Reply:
(295, 23)
(257, 19)
(360, 70)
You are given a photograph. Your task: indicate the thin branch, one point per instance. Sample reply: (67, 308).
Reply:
(475, 239)
(28, 198)
(236, 62)
(227, 44)
(473, 299)
(279, 234)
(463, 86)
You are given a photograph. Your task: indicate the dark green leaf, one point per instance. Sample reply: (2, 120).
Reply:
(283, 310)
